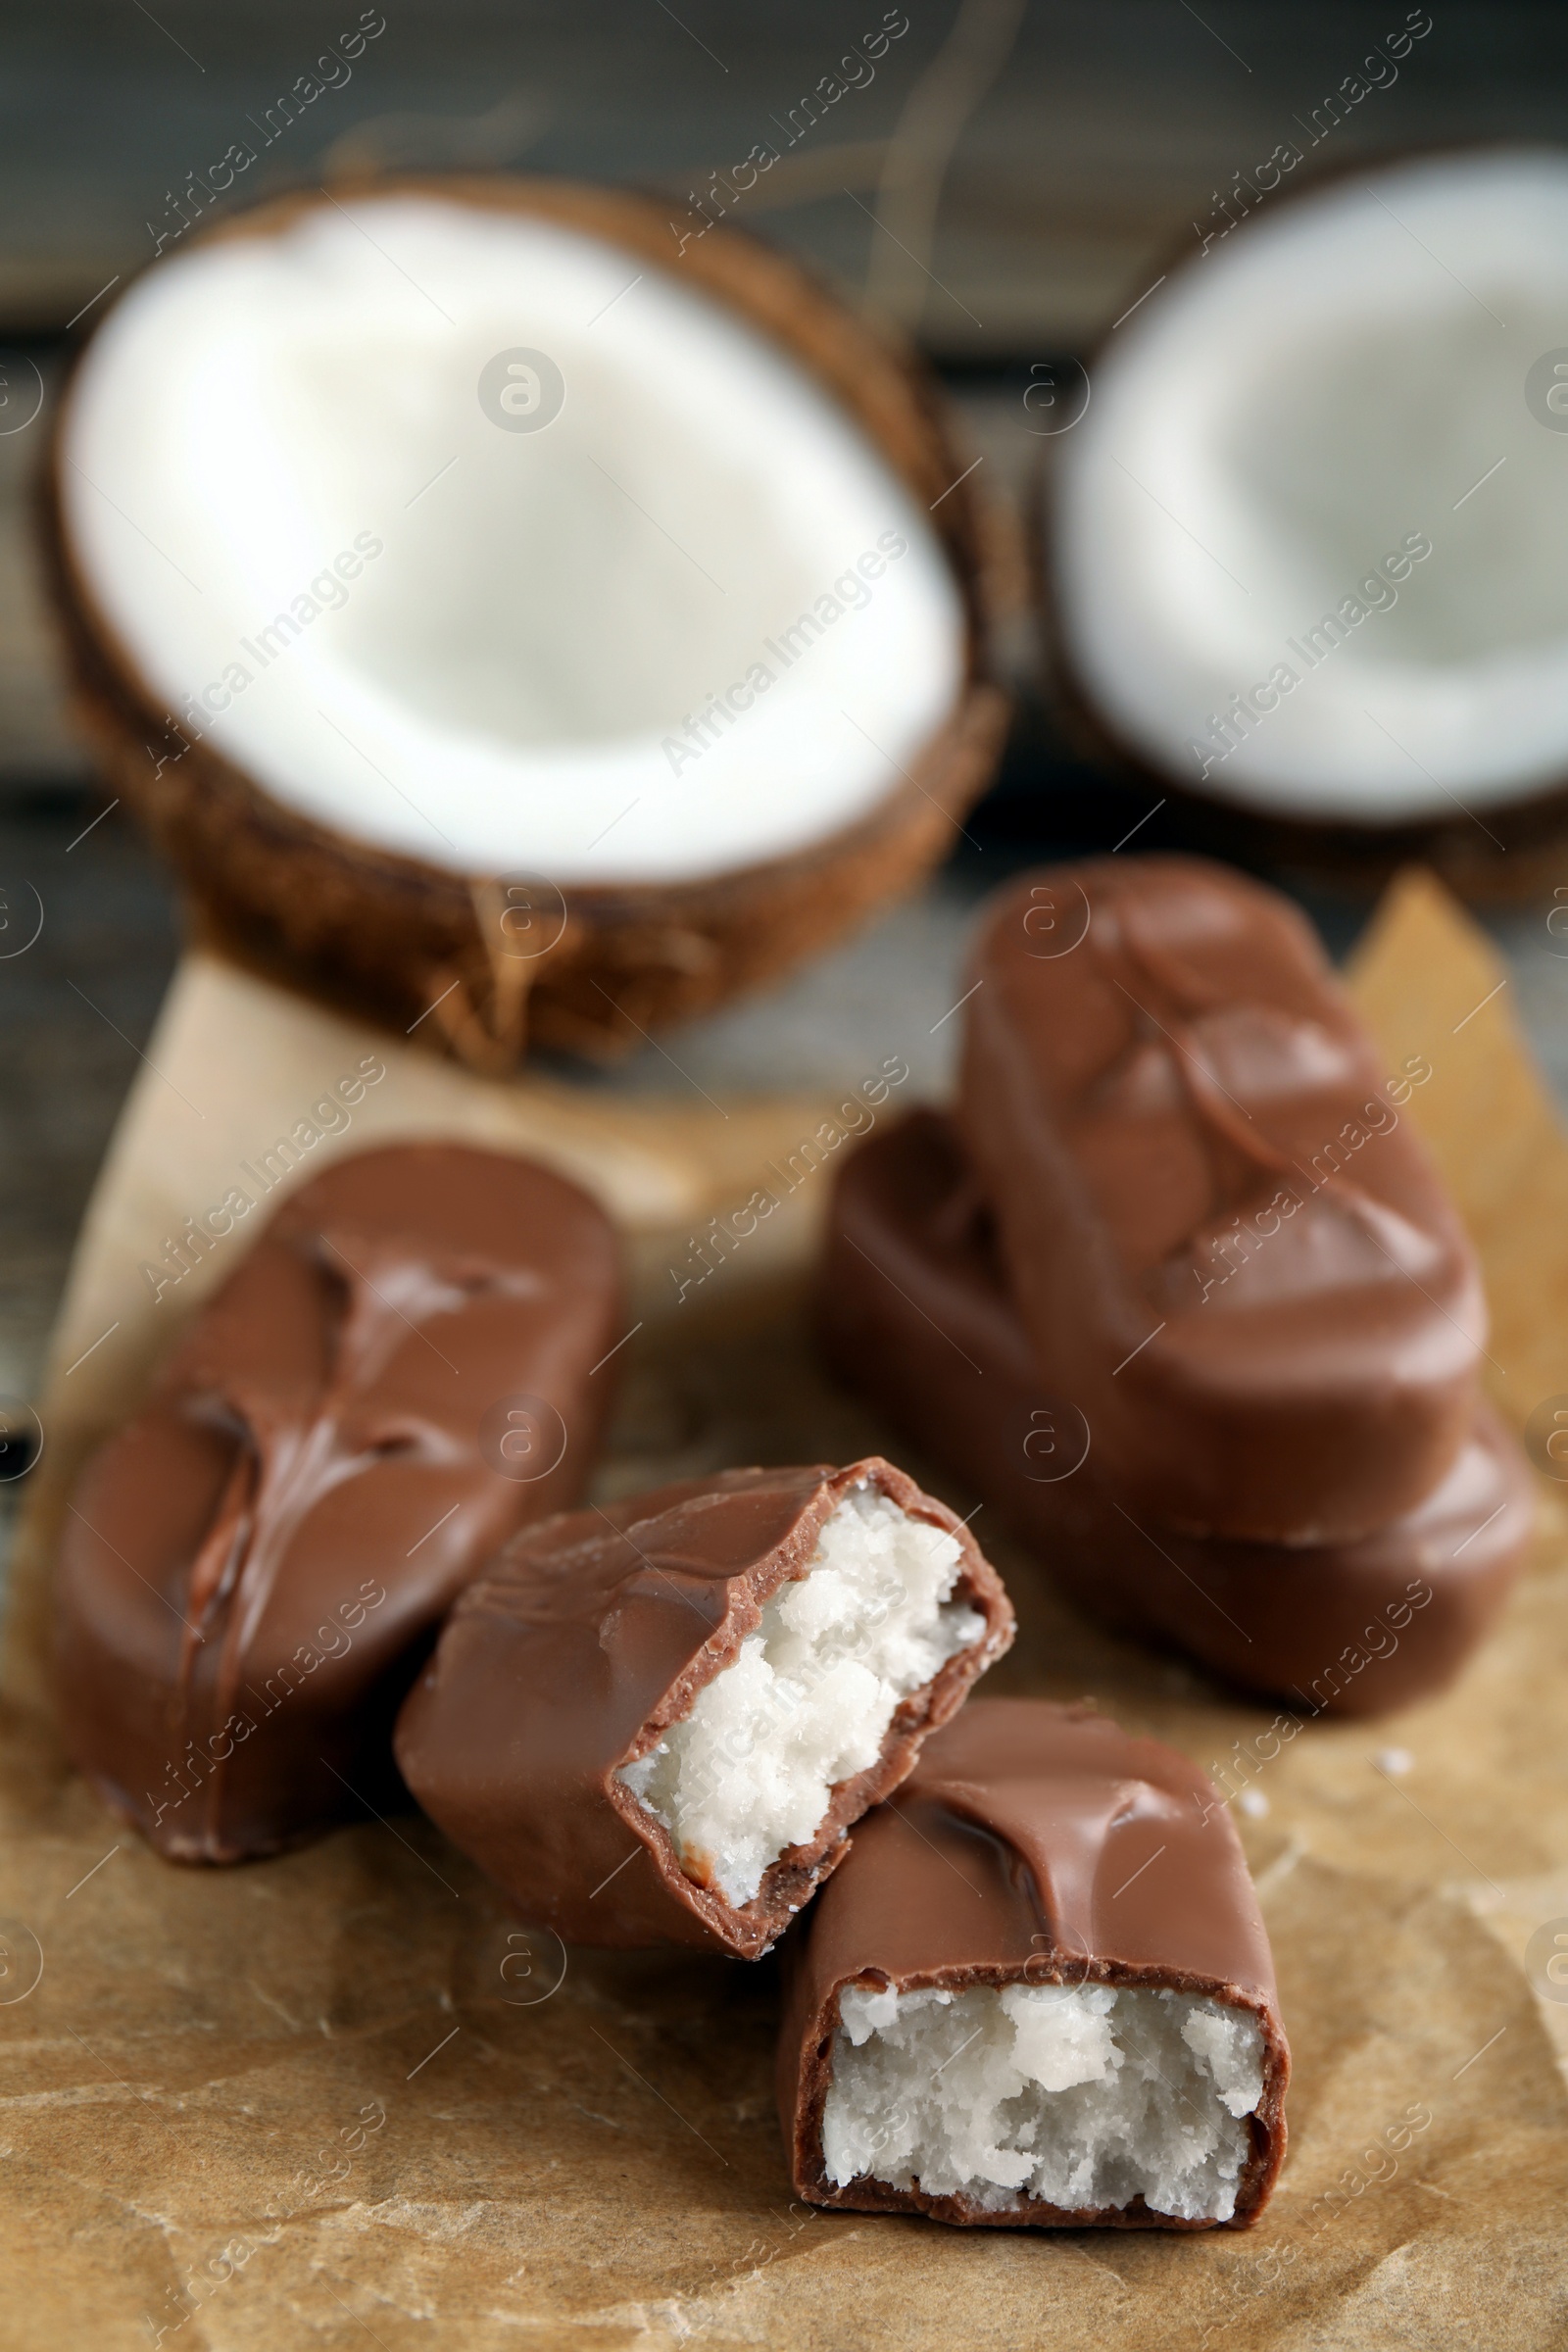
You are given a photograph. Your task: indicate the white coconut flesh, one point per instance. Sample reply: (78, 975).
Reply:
(1078, 2096)
(751, 1769)
(500, 672)
(1341, 380)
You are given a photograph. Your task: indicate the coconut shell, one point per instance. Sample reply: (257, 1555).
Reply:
(1503, 854)
(392, 938)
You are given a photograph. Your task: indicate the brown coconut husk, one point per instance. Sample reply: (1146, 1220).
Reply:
(1502, 855)
(422, 950)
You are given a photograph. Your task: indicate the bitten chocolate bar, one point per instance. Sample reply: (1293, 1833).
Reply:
(1224, 1240)
(397, 1375)
(914, 1311)
(1038, 1992)
(654, 1723)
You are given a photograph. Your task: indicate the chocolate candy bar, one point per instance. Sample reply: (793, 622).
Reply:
(1038, 1992)
(655, 1722)
(395, 1377)
(1225, 1243)
(914, 1311)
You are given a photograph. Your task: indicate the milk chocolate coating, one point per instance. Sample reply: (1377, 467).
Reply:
(254, 1567)
(1093, 1857)
(593, 1633)
(1225, 1242)
(914, 1311)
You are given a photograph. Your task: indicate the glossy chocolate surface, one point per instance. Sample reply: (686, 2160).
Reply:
(1089, 1856)
(1225, 1242)
(394, 1378)
(584, 1641)
(914, 1311)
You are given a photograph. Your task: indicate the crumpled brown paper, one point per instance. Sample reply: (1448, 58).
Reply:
(342, 2097)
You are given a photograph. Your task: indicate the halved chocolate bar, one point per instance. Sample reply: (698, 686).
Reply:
(655, 1722)
(398, 1374)
(1039, 1991)
(1224, 1240)
(914, 1311)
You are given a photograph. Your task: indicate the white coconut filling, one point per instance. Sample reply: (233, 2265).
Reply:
(751, 1769)
(523, 621)
(1080, 2097)
(1272, 439)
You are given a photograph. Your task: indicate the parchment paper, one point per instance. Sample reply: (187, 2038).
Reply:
(340, 2098)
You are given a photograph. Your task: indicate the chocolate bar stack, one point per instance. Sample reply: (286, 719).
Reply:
(1178, 1292)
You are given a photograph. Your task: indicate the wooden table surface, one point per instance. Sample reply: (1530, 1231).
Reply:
(1034, 158)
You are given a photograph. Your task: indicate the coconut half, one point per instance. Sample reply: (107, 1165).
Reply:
(504, 617)
(1302, 553)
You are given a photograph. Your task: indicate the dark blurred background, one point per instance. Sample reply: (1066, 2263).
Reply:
(1063, 144)
(1010, 177)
